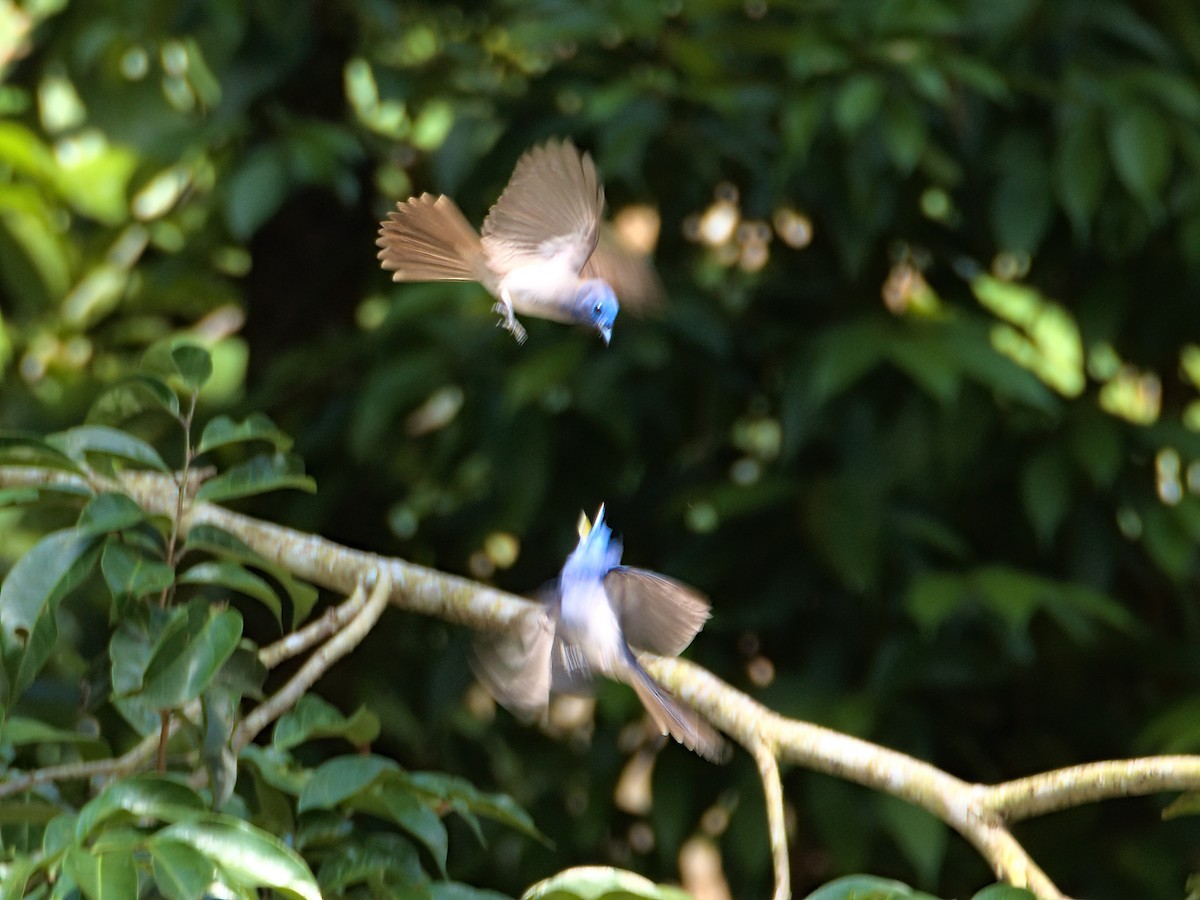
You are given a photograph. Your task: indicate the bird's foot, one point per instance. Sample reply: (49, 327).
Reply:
(509, 322)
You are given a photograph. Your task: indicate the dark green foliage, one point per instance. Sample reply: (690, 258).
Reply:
(937, 468)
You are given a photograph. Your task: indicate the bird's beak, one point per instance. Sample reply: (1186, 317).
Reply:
(606, 333)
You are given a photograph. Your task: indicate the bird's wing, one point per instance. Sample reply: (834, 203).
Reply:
(550, 208)
(656, 613)
(630, 274)
(515, 667)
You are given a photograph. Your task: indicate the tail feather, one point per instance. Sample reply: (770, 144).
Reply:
(427, 238)
(674, 718)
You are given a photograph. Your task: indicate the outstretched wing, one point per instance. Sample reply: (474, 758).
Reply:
(656, 613)
(550, 208)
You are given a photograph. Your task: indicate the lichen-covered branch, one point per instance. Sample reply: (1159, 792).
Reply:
(316, 665)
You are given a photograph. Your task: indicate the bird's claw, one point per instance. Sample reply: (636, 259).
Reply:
(509, 322)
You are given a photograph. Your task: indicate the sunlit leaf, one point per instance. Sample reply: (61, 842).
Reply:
(29, 598)
(138, 797)
(248, 855)
(103, 876)
(601, 883)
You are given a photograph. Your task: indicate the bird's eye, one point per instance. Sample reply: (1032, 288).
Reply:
(599, 309)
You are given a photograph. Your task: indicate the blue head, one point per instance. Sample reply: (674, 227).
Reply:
(596, 304)
(596, 552)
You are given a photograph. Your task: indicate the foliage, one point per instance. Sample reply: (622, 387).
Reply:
(921, 416)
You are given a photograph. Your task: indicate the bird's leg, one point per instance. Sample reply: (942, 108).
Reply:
(507, 319)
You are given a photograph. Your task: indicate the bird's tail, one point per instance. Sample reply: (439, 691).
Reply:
(674, 718)
(427, 238)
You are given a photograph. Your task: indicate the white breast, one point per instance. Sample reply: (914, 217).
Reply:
(587, 621)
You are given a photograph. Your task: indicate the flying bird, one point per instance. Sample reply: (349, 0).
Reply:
(537, 252)
(593, 617)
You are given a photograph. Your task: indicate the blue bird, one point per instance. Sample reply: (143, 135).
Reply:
(595, 613)
(536, 254)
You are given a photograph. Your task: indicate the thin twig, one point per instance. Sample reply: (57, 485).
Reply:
(314, 632)
(764, 754)
(316, 665)
(130, 761)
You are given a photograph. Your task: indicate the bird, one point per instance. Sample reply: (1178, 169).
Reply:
(537, 251)
(592, 618)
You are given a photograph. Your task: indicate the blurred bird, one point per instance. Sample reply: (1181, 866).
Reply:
(594, 613)
(537, 254)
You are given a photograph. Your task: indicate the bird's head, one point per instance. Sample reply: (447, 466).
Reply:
(596, 552)
(596, 304)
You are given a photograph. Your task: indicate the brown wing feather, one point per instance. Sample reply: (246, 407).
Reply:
(631, 275)
(427, 238)
(552, 205)
(656, 613)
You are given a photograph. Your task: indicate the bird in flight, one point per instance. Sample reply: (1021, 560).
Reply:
(537, 254)
(593, 616)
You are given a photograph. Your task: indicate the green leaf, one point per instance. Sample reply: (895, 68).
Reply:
(78, 442)
(453, 890)
(1187, 804)
(103, 876)
(245, 854)
(866, 887)
(129, 573)
(277, 768)
(28, 810)
(18, 731)
(398, 802)
(193, 363)
(20, 448)
(220, 706)
(223, 430)
(312, 718)
(130, 396)
(257, 475)
(210, 539)
(181, 872)
(338, 779)
(601, 883)
(1139, 141)
(374, 859)
(1004, 892)
(29, 599)
(858, 101)
(465, 797)
(235, 577)
(1046, 492)
(1080, 173)
(187, 656)
(109, 512)
(139, 797)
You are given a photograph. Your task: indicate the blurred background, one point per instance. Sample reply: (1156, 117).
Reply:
(921, 412)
